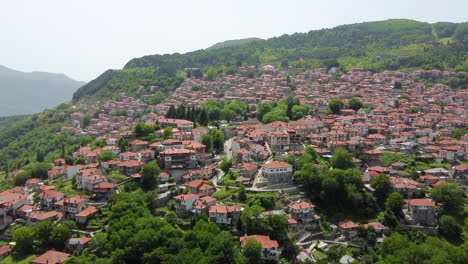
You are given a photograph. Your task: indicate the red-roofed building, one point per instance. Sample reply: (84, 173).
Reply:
(138, 145)
(49, 197)
(73, 205)
(105, 189)
(183, 125)
(421, 211)
(377, 226)
(269, 247)
(51, 257)
(348, 228)
(200, 187)
(203, 204)
(225, 214)
(38, 216)
(130, 167)
(5, 250)
(185, 203)
(178, 159)
(84, 215)
(277, 172)
(374, 157)
(77, 244)
(303, 213)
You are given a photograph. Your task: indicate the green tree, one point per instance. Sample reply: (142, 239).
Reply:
(24, 239)
(342, 159)
(263, 109)
(167, 133)
(275, 115)
(44, 230)
(106, 156)
(389, 219)
(203, 118)
(40, 170)
(122, 143)
(218, 139)
(252, 251)
(414, 109)
(226, 164)
(299, 111)
(449, 227)
(228, 114)
(59, 236)
(451, 196)
(85, 121)
(242, 194)
(383, 187)
(355, 104)
(207, 140)
(397, 85)
(395, 203)
(150, 174)
(143, 130)
(335, 105)
(459, 132)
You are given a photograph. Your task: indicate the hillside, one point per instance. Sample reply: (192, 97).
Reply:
(30, 92)
(396, 44)
(232, 43)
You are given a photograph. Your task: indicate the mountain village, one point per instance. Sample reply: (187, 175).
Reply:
(403, 113)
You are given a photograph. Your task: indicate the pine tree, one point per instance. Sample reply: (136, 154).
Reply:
(171, 112)
(203, 119)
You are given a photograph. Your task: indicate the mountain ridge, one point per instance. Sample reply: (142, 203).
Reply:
(30, 92)
(354, 45)
(232, 43)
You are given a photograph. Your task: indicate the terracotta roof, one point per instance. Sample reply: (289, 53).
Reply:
(301, 205)
(105, 185)
(421, 202)
(376, 226)
(87, 212)
(5, 249)
(265, 241)
(347, 224)
(276, 165)
(50, 194)
(74, 200)
(224, 209)
(51, 257)
(184, 197)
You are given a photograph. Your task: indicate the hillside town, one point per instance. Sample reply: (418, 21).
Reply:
(403, 116)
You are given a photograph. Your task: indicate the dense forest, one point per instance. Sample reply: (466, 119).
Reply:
(232, 43)
(416, 42)
(111, 82)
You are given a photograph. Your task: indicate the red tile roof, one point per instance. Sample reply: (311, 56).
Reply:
(421, 202)
(347, 224)
(87, 212)
(51, 257)
(276, 165)
(265, 241)
(301, 205)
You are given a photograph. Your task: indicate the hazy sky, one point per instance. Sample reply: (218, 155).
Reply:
(83, 38)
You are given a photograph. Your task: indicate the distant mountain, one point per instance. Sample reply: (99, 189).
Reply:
(31, 92)
(232, 43)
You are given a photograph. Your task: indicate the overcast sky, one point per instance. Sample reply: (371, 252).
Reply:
(83, 38)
